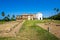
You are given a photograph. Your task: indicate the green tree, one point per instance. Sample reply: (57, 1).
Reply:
(13, 17)
(6, 18)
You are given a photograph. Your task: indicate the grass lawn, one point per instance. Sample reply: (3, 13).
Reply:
(30, 31)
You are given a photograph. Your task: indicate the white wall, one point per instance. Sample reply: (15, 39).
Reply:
(39, 16)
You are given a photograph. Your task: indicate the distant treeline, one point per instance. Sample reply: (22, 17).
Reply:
(7, 18)
(55, 17)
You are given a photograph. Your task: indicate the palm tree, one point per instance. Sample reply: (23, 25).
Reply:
(57, 12)
(8, 15)
(13, 17)
(3, 14)
(56, 9)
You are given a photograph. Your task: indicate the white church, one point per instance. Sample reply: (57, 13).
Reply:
(37, 16)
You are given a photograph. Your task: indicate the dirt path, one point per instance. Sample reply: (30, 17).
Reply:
(8, 25)
(13, 31)
(16, 30)
(53, 28)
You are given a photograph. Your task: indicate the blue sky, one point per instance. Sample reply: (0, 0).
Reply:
(18, 7)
